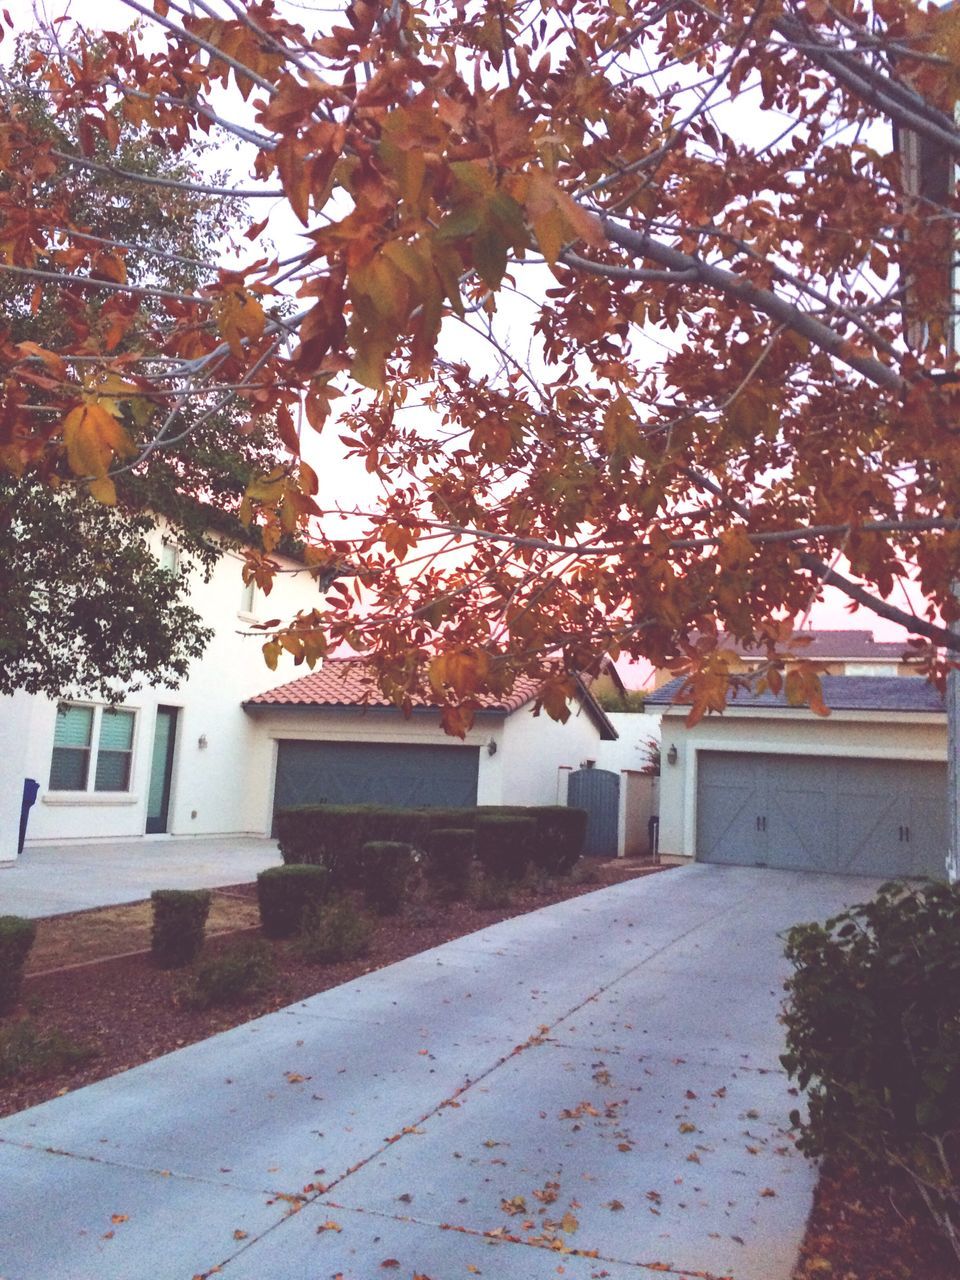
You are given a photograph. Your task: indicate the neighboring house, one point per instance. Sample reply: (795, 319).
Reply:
(217, 755)
(862, 791)
(332, 736)
(841, 653)
(164, 760)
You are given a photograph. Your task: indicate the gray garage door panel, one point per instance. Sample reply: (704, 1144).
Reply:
(861, 817)
(408, 776)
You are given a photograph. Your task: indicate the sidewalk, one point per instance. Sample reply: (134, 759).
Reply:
(599, 1077)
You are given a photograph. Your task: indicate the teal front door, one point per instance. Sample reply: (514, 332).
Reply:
(161, 770)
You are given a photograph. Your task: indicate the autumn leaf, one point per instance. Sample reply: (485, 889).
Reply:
(93, 436)
(238, 315)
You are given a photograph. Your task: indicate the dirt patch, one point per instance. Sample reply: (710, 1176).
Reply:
(861, 1231)
(130, 1011)
(116, 931)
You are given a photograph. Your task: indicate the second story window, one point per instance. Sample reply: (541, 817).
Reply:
(169, 556)
(248, 597)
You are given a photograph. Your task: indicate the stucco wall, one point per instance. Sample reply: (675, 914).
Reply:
(536, 748)
(630, 749)
(208, 795)
(891, 735)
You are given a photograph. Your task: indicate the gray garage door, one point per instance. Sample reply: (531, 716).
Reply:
(859, 817)
(375, 773)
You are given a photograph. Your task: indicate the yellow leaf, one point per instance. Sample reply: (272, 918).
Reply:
(92, 436)
(103, 490)
(238, 315)
(568, 1223)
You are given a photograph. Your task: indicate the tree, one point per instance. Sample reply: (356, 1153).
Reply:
(715, 312)
(84, 604)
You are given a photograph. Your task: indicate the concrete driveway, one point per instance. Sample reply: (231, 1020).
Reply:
(589, 1091)
(47, 880)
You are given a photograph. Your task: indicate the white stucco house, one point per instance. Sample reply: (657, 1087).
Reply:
(862, 791)
(217, 755)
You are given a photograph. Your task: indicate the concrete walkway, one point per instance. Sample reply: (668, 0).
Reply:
(47, 880)
(601, 1076)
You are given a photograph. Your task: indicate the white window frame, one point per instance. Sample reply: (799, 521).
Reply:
(248, 600)
(169, 546)
(98, 709)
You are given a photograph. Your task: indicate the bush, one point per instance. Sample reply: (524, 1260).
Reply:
(240, 972)
(450, 861)
(873, 1035)
(284, 893)
(333, 836)
(505, 846)
(560, 837)
(179, 916)
(335, 932)
(26, 1051)
(387, 867)
(492, 894)
(16, 939)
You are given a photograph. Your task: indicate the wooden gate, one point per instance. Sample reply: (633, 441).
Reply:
(597, 791)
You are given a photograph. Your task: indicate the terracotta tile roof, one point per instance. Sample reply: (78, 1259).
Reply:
(840, 693)
(348, 682)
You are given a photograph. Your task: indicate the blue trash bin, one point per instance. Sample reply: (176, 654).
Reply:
(30, 788)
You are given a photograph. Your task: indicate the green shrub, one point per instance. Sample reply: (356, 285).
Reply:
(450, 861)
(240, 972)
(505, 846)
(492, 894)
(179, 917)
(559, 840)
(333, 836)
(16, 939)
(387, 868)
(873, 1035)
(26, 1051)
(335, 932)
(284, 893)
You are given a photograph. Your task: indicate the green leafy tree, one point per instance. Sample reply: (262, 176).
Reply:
(85, 604)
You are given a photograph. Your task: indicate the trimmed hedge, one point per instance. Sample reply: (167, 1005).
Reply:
(506, 845)
(332, 836)
(16, 939)
(450, 853)
(387, 867)
(179, 918)
(285, 893)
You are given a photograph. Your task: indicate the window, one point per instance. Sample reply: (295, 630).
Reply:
(169, 556)
(247, 596)
(115, 751)
(74, 759)
(71, 748)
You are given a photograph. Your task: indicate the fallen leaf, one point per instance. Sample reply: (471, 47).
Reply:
(615, 1205)
(240, 1235)
(389, 1263)
(294, 1077)
(119, 1217)
(329, 1225)
(569, 1224)
(768, 1191)
(687, 1127)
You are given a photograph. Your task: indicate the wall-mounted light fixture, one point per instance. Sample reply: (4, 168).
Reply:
(202, 742)
(492, 747)
(673, 754)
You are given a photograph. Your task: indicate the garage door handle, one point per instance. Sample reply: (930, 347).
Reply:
(901, 835)
(907, 830)
(761, 823)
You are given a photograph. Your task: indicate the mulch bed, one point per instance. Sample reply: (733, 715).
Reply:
(128, 1009)
(859, 1231)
